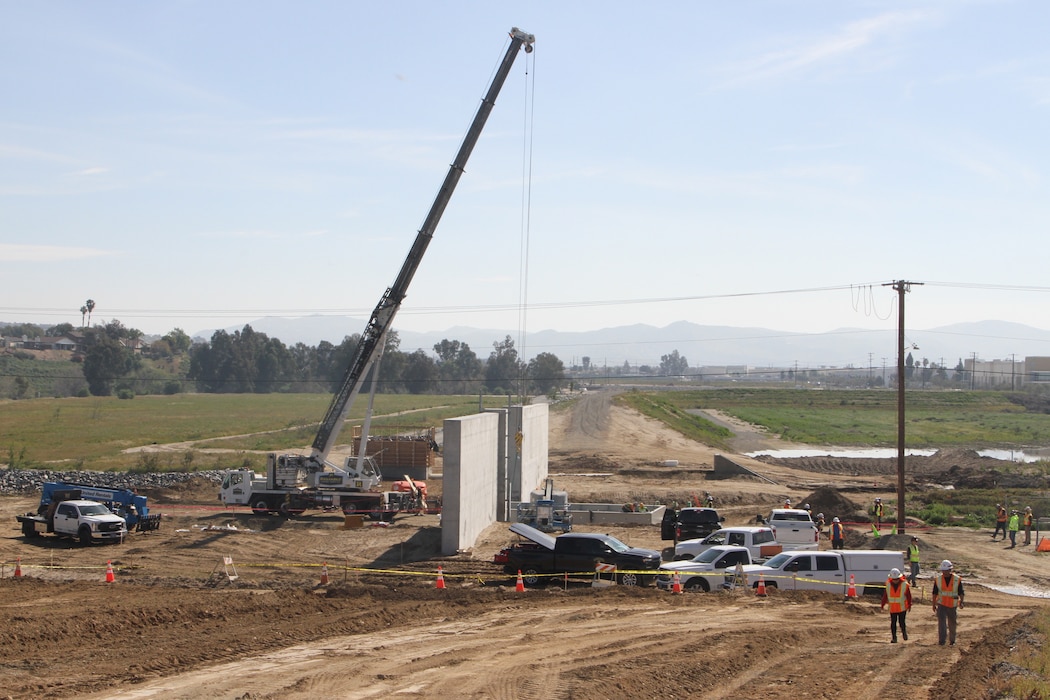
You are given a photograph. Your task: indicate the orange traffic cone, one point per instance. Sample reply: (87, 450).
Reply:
(324, 574)
(110, 578)
(676, 587)
(441, 579)
(18, 568)
(851, 592)
(760, 589)
(520, 585)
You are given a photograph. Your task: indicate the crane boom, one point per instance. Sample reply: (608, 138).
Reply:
(370, 348)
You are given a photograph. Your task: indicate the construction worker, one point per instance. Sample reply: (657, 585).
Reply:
(1000, 520)
(1013, 527)
(877, 512)
(787, 503)
(709, 500)
(809, 509)
(1027, 520)
(838, 534)
(913, 560)
(898, 596)
(948, 599)
(819, 520)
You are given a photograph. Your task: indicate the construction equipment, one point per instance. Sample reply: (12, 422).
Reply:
(297, 482)
(85, 520)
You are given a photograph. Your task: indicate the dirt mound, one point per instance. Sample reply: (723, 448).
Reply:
(832, 504)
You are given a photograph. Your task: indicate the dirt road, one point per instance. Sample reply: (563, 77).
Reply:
(173, 625)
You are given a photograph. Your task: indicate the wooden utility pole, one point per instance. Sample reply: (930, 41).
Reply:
(901, 287)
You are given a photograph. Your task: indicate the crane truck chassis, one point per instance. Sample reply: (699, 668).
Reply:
(293, 482)
(291, 487)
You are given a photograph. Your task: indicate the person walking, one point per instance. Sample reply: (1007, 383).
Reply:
(948, 599)
(898, 596)
(1013, 527)
(837, 534)
(913, 559)
(1027, 520)
(1000, 520)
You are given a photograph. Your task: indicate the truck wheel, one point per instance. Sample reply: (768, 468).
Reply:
(628, 579)
(376, 513)
(261, 508)
(531, 577)
(29, 529)
(85, 535)
(697, 583)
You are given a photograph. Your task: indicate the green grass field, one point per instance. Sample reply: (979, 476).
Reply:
(866, 418)
(91, 433)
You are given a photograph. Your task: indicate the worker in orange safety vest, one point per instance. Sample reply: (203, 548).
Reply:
(898, 596)
(948, 596)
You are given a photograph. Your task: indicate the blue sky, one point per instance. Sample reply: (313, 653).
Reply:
(201, 164)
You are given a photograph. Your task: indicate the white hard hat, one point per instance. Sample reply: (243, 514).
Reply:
(834, 520)
(946, 565)
(895, 573)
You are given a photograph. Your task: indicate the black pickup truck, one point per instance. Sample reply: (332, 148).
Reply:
(575, 553)
(689, 523)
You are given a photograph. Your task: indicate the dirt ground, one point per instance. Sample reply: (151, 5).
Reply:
(174, 625)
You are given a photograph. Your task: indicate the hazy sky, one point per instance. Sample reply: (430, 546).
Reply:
(201, 164)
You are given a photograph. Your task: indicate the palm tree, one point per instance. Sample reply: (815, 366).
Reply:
(83, 312)
(90, 307)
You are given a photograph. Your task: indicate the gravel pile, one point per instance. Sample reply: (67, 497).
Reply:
(19, 481)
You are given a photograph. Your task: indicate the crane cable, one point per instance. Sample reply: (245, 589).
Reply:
(528, 120)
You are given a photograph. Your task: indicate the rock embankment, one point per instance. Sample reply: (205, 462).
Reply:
(17, 481)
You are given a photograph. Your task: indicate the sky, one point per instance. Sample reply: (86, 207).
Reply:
(756, 164)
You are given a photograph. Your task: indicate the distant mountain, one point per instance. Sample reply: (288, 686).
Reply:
(642, 344)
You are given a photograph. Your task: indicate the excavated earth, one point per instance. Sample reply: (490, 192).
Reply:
(225, 604)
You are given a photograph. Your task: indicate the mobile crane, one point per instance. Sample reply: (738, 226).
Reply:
(296, 482)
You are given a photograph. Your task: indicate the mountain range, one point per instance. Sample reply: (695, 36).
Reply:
(642, 344)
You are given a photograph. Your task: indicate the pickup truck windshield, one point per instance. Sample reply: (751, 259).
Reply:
(96, 509)
(708, 556)
(778, 561)
(796, 517)
(616, 545)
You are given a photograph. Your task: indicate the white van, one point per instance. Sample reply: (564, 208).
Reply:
(828, 571)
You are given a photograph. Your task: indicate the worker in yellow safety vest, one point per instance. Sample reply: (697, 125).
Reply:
(913, 559)
(898, 596)
(948, 597)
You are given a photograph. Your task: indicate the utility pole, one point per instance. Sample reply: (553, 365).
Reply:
(901, 287)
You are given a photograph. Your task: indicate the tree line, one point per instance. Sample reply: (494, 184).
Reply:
(247, 361)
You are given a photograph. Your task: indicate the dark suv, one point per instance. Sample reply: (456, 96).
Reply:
(689, 523)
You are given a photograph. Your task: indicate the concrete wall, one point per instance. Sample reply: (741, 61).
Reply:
(502, 476)
(468, 502)
(527, 466)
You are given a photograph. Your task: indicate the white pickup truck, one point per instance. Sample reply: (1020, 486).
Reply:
(87, 521)
(827, 571)
(794, 528)
(708, 570)
(759, 541)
